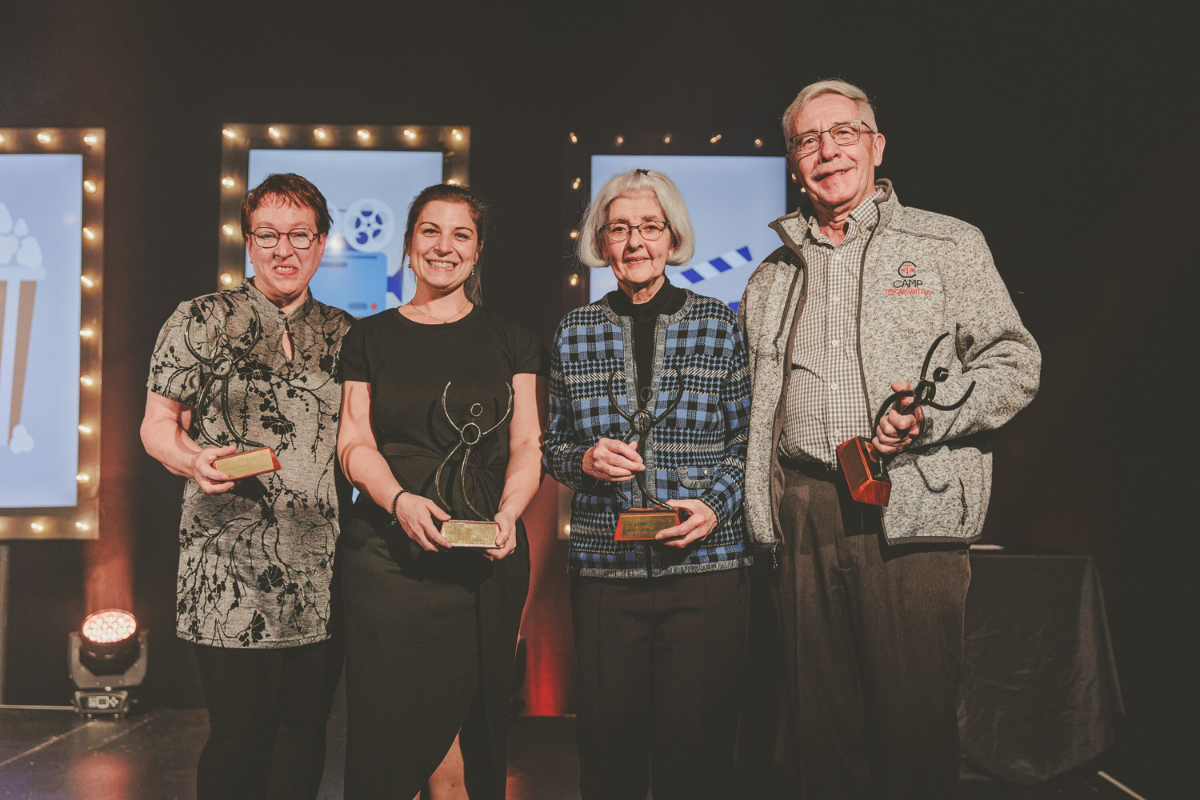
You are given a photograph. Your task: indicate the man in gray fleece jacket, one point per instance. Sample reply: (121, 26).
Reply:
(870, 600)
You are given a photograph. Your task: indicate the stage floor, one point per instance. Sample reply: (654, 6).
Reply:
(53, 753)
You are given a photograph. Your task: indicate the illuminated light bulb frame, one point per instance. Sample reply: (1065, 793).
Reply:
(453, 141)
(80, 521)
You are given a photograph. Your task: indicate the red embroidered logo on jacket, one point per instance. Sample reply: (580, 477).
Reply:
(908, 283)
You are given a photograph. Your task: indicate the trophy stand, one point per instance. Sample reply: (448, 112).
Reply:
(478, 532)
(864, 468)
(643, 524)
(221, 367)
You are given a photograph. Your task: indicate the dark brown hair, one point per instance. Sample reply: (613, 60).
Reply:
(293, 190)
(480, 215)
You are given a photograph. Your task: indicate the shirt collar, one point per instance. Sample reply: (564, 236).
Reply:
(272, 311)
(864, 215)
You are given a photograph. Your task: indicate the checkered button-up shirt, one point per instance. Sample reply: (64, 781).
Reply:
(826, 401)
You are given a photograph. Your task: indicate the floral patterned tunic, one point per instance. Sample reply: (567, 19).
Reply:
(255, 563)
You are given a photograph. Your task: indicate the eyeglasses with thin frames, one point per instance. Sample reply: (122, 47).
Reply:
(843, 134)
(299, 238)
(651, 230)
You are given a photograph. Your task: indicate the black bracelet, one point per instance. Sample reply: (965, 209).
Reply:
(396, 499)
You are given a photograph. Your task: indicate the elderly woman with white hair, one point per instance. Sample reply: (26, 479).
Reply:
(660, 620)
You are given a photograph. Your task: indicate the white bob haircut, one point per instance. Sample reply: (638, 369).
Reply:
(815, 90)
(591, 230)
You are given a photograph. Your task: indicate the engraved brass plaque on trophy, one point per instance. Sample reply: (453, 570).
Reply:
(247, 464)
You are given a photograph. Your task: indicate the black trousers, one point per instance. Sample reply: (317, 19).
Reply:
(872, 640)
(659, 683)
(267, 711)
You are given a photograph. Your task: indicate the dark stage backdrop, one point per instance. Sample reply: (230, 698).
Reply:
(1066, 134)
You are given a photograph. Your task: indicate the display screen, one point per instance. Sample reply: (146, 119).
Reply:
(368, 192)
(41, 207)
(731, 200)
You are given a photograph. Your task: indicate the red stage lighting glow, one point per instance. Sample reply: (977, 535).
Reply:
(109, 626)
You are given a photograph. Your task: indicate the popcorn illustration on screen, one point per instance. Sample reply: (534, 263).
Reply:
(20, 271)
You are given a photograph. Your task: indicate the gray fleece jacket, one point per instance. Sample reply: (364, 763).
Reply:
(924, 274)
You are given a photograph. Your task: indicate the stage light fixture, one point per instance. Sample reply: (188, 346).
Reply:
(108, 658)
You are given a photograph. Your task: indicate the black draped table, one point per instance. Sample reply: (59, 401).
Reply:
(1039, 688)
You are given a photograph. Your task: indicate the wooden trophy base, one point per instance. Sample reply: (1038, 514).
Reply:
(471, 533)
(247, 464)
(865, 472)
(643, 524)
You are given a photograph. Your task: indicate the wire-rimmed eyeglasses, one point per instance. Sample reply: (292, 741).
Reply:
(299, 238)
(843, 133)
(651, 230)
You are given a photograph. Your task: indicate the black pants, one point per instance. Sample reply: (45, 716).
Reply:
(872, 638)
(659, 683)
(267, 711)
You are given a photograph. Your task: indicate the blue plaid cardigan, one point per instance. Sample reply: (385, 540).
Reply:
(697, 452)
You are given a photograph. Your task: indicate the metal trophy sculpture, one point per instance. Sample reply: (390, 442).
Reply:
(221, 366)
(863, 467)
(479, 532)
(640, 524)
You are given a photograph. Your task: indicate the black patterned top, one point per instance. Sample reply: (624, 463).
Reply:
(255, 563)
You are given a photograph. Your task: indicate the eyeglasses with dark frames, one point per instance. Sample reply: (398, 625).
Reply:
(651, 230)
(299, 238)
(843, 134)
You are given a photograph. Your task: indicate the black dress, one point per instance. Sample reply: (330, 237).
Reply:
(430, 637)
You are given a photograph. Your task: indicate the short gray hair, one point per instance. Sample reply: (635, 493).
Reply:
(815, 90)
(590, 245)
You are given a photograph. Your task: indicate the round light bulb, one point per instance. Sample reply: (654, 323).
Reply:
(274, 132)
(44, 137)
(89, 186)
(363, 134)
(229, 133)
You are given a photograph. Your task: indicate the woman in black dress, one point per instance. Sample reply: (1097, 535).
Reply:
(431, 629)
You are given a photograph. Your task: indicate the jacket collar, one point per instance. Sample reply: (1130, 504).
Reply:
(792, 227)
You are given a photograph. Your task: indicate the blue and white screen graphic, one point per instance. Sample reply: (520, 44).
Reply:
(368, 192)
(41, 207)
(731, 200)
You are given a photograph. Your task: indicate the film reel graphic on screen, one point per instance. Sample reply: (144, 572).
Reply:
(368, 225)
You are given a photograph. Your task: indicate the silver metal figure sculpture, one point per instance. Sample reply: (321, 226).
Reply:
(469, 435)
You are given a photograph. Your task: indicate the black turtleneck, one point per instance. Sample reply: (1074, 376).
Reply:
(666, 301)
